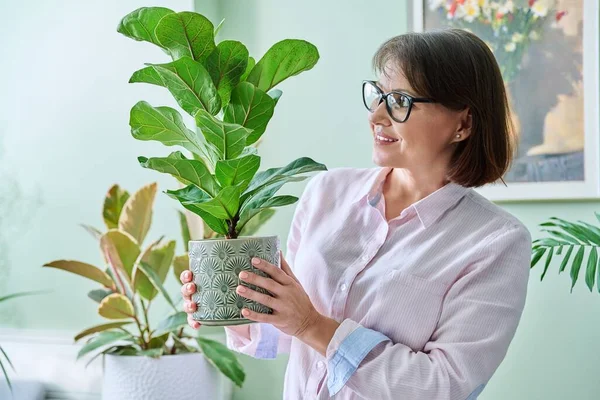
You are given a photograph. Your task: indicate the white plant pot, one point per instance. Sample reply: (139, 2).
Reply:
(182, 377)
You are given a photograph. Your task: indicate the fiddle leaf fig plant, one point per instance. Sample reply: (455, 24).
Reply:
(231, 98)
(131, 280)
(572, 238)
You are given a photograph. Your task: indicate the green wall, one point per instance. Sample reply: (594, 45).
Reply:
(320, 115)
(64, 139)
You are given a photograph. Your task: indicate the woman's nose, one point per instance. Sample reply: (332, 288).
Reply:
(380, 114)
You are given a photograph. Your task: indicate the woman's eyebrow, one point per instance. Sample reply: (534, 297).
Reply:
(393, 90)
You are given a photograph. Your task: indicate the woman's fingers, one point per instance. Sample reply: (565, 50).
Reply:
(186, 276)
(189, 307)
(187, 290)
(192, 323)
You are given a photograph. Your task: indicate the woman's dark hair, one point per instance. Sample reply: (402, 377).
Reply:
(458, 70)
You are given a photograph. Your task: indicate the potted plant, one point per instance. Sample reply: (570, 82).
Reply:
(143, 360)
(2, 352)
(572, 238)
(232, 99)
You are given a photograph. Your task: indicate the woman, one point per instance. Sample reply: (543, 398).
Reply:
(403, 282)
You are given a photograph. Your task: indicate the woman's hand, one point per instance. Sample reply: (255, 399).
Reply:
(293, 312)
(186, 290)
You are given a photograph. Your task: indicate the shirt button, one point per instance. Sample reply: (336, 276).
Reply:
(365, 258)
(320, 364)
(343, 287)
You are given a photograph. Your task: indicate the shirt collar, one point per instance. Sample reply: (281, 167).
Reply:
(429, 209)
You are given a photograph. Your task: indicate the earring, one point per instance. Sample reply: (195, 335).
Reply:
(458, 136)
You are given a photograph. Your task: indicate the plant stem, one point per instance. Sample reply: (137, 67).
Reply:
(179, 335)
(145, 310)
(142, 341)
(232, 234)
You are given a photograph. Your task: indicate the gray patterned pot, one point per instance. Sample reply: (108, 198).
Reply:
(216, 265)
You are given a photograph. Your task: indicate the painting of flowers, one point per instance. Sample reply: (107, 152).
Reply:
(547, 51)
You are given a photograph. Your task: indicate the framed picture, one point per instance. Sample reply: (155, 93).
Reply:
(547, 51)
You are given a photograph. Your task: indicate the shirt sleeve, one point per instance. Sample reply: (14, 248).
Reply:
(478, 320)
(262, 340)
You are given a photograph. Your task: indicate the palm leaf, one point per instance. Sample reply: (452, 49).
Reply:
(576, 266)
(548, 259)
(590, 271)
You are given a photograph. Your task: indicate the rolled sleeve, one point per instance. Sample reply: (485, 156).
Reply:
(348, 347)
(257, 340)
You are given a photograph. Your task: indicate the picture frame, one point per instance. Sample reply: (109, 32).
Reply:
(541, 175)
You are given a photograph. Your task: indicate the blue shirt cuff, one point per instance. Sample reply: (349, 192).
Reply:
(269, 341)
(349, 355)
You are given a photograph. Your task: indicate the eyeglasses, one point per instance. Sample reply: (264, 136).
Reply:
(398, 104)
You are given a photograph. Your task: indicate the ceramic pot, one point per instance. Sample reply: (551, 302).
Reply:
(181, 376)
(216, 265)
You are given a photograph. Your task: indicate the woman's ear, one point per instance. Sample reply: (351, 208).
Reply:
(463, 128)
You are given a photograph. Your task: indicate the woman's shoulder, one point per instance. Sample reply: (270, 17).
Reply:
(340, 179)
(496, 218)
(339, 183)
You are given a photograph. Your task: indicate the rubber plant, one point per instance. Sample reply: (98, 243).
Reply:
(132, 278)
(576, 243)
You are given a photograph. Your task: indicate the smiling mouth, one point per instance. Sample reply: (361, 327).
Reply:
(382, 139)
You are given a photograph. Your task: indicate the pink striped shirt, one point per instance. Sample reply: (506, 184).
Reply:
(428, 302)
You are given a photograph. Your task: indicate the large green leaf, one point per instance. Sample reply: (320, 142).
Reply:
(225, 205)
(188, 81)
(253, 225)
(249, 67)
(298, 166)
(228, 139)
(186, 34)
(120, 250)
(100, 328)
(251, 108)
(590, 271)
(158, 259)
(226, 64)
(190, 197)
(83, 269)
(116, 306)
(141, 23)
(102, 339)
(266, 183)
(576, 266)
(186, 171)
(238, 172)
(185, 230)
(113, 204)
(283, 60)
(222, 358)
(165, 125)
(136, 216)
(259, 204)
(171, 323)
(156, 282)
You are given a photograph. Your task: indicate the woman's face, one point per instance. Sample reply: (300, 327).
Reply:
(425, 139)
